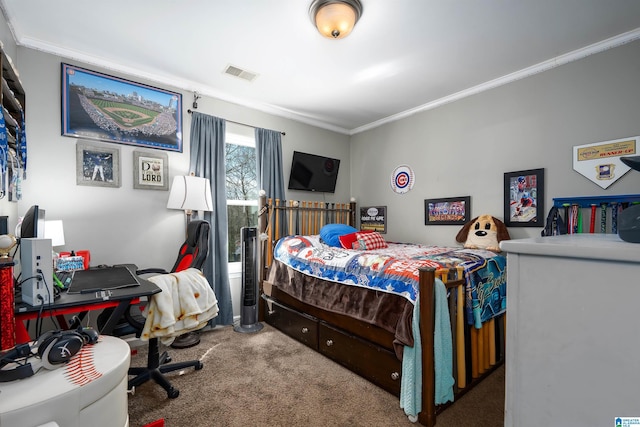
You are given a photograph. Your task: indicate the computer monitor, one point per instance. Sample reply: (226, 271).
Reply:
(33, 223)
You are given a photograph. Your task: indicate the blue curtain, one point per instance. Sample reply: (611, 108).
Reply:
(269, 163)
(208, 161)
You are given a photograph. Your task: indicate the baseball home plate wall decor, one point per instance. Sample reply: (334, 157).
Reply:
(600, 162)
(402, 179)
(105, 108)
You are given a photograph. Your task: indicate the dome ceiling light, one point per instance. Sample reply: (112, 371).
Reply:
(335, 19)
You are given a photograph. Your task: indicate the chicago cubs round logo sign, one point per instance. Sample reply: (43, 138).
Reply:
(402, 179)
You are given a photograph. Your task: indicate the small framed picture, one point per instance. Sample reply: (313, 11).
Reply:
(447, 211)
(97, 165)
(374, 218)
(524, 198)
(150, 171)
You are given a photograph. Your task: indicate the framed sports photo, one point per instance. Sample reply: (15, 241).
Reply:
(447, 211)
(97, 165)
(110, 109)
(524, 198)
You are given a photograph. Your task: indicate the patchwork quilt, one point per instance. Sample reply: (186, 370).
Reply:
(395, 270)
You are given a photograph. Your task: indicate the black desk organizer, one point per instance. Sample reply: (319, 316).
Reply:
(601, 211)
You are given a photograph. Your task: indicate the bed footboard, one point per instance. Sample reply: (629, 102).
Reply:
(476, 352)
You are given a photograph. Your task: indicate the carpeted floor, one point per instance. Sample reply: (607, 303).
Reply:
(269, 379)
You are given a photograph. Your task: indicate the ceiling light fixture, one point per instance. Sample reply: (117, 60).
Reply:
(335, 19)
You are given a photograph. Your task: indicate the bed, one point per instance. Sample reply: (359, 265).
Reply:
(370, 326)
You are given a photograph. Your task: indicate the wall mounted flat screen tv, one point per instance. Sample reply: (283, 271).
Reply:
(310, 172)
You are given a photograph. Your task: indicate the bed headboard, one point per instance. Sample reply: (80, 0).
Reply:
(278, 218)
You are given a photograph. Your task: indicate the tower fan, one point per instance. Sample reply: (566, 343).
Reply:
(249, 309)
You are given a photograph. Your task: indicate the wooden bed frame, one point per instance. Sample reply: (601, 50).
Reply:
(359, 346)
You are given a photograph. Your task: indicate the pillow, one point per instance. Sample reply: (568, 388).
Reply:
(347, 240)
(369, 241)
(330, 233)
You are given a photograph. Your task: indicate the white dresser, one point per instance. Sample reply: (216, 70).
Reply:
(573, 330)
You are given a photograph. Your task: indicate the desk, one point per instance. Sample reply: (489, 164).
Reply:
(119, 299)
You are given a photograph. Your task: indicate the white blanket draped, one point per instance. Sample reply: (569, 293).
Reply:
(186, 303)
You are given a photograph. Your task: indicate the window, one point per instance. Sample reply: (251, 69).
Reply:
(241, 188)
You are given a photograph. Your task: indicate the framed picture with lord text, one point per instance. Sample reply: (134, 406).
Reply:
(150, 170)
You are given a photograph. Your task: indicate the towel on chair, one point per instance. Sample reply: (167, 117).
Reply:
(186, 303)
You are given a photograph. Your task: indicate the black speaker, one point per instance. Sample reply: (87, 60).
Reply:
(51, 350)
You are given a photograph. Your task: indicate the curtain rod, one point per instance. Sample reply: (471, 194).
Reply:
(238, 123)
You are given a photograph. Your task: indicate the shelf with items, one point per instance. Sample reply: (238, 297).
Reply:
(588, 201)
(12, 98)
(598, 210)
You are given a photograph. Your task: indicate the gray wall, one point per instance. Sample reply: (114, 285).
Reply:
(123, 224)
(465, 147)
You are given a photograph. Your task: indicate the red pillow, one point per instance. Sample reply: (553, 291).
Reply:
(369, 241)
(347, 240)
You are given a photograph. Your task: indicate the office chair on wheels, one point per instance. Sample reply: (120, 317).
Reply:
(192, 254)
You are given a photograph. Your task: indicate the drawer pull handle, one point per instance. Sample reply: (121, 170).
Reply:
(329, 343)
(395, 376)
(305, 330)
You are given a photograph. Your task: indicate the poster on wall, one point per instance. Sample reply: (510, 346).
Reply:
(110, 109)
(600, 162)
(373, 218)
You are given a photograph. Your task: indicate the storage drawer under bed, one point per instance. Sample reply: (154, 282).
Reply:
(297, 325)
(379, 366)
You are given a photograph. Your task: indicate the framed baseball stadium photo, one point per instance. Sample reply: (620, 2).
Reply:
(106, 108)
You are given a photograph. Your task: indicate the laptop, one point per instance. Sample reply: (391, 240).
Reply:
(102, 279)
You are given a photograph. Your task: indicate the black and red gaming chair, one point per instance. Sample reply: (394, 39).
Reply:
(192, 254)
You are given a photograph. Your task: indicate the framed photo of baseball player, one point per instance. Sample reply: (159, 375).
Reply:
(524, 198)
(97, 165)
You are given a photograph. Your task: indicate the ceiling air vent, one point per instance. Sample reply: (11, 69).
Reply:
(240, 73)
